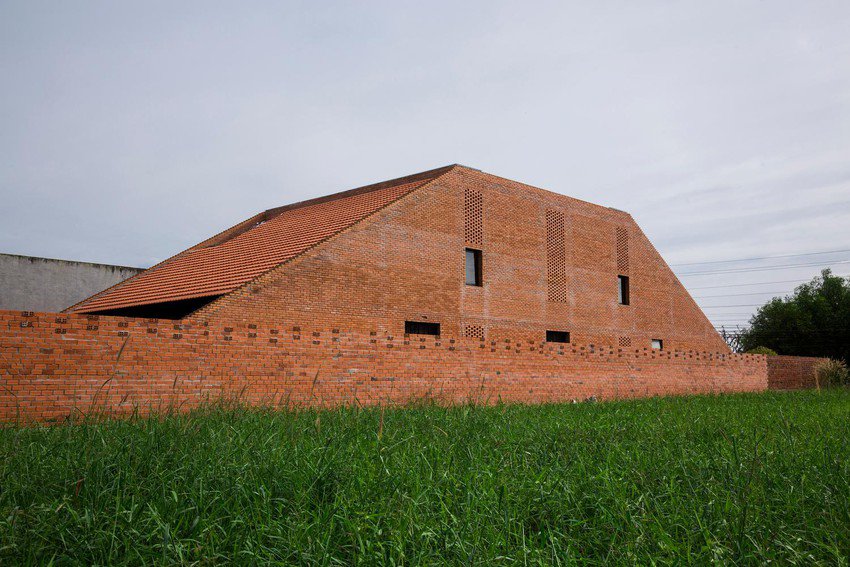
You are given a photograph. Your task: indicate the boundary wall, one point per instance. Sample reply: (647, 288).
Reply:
(56, 365)
(792, 372)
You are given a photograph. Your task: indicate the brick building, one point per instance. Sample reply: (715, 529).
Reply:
(452, 251)
(450, 285)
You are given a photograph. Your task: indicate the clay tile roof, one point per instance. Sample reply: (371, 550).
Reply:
(238, 255)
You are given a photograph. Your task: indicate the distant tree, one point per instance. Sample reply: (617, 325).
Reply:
(813, 321)
(762, 350)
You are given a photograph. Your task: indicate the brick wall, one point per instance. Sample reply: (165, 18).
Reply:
(791, 372)
(55, 365)
(550, 262)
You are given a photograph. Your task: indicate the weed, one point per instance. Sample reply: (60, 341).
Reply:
(745, 479)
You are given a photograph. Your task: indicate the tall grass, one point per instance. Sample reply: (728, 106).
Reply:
(735, 479)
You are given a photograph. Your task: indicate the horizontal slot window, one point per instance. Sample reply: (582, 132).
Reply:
(421, 328)
(557, 337)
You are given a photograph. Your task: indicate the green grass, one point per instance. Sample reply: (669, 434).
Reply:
(733, 479)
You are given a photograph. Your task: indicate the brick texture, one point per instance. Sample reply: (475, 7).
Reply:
(791, 372)
(326, 326)
(239, 255)
(58, 365)
(550, 262)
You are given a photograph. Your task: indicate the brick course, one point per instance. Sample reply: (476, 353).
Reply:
(57, 365)
(407, 263)
(326, 327)
(792, 372)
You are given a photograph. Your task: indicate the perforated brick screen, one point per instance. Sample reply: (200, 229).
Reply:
(556, 257)
(473, 217)
(622, 250)
(474, 332)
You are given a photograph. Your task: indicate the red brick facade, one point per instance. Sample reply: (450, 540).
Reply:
(56, 365)
(550, 262)
(326, 326)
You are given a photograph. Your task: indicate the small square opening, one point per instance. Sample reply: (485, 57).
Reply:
(421, 328)
(657, 344)
(557, 336)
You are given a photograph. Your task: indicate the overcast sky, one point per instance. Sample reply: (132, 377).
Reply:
(129, 132)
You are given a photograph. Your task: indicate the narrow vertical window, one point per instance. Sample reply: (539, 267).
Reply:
(473, 267)
(623, 290)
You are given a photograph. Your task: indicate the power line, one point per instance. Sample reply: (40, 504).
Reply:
(754, 258)
(717, 315)
(802, 331)
(740, 294)
(757, 283)
(805, 338)
(764, 269)
(732, 314)
(738, 305)
(808, 336)
(735, 313)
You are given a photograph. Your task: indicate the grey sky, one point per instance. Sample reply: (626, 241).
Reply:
(131, 131)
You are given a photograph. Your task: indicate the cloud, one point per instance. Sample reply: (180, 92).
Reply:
(133, 131)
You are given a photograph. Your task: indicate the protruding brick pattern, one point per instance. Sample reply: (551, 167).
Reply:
(53, 366)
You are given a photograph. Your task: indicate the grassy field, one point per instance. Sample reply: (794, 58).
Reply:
(733, 479)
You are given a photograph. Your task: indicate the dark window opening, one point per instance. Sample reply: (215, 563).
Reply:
(165, 310)
(657, 344)
(623, 290)
(473, 267)
(421, 328)
(557, 336)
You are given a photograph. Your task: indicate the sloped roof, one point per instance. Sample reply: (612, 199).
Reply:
(238, 255)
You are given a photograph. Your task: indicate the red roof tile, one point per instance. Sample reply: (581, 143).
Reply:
(235, 257)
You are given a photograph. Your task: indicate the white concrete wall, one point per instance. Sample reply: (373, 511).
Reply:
(41, 284)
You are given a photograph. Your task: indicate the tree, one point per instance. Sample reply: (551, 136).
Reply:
(813, 321)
